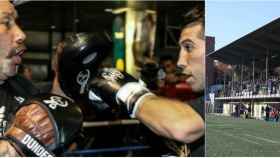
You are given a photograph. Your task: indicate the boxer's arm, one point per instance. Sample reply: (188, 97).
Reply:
(7, 150)
(170, 118)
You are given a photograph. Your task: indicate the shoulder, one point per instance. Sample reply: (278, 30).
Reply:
(198, 105)
(22, 86)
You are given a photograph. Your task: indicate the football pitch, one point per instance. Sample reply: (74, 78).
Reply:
(239, 137)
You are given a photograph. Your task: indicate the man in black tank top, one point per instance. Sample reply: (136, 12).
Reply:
(12, 93)
(13, 89)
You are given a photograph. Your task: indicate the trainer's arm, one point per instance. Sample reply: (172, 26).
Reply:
(7, 150)
(170, 118)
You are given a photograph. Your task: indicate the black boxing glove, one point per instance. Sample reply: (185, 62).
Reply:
(149, 74)
(117, 88)
(81, 56)
(43, 124)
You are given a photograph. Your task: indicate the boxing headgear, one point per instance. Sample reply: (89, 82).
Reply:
(81, 56)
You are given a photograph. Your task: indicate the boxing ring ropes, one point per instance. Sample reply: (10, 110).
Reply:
(110, 123)
(96, 124)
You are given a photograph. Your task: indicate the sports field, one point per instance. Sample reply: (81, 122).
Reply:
(228, 136)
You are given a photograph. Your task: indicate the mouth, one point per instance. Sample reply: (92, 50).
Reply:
(17, 55)
(188, 77)
(187, 74)
(20, 51)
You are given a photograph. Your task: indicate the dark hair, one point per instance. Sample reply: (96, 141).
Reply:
(195, 16)
(166, 58)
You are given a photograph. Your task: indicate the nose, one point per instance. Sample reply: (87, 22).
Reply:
(19, 35)
(182, 60)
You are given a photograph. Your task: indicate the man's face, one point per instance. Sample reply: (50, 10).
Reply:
(11, 41)
(191, 58)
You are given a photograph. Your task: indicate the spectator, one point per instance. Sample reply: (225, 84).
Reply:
(267, 110)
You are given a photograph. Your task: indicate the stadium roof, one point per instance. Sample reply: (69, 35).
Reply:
(255, 45)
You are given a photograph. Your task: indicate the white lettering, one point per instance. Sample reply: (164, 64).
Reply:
(30, 144)
(25, 139)
(35, 147)
(2, 109)
(3, 122)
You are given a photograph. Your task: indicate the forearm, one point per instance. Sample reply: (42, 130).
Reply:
(171, 119)
(7, 150)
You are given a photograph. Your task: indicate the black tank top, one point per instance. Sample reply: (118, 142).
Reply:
(13, 92)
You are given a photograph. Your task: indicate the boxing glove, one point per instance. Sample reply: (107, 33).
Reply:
(43, 124)
(81, 56)
(117, 88)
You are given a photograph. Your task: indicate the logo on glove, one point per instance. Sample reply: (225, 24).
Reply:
(112, 74)
(56, 101)
(82, 79)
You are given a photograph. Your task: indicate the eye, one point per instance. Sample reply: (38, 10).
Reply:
(188, 47)
(8, 22)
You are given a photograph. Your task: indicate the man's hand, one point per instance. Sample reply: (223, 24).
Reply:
(43, 124)
(169, 118)
(117, 88)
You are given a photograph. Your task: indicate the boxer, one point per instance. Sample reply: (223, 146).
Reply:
(47, 122)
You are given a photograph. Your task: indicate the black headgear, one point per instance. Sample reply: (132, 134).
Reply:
(82, 55)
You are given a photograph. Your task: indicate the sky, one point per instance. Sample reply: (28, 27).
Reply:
(229, 20)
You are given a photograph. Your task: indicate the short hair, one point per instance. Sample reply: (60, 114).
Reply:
(194, 17)
(166, 58)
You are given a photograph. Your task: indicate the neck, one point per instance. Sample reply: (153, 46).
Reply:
(199, 94)
(56, 89)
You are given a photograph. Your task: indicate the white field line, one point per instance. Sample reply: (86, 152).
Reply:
(238, 137)
(220, 125)
(264, 139)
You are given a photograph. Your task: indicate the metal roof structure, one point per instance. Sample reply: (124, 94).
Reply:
(254, 46)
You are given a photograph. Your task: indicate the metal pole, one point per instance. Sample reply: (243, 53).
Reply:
(241, 77)
(266, 67)
(253, 71)
(110, 123)
(50, 50)
(75, 19)
(87, 152)
(266, 71)
(253, 83)
(232, 81)
(224, 84)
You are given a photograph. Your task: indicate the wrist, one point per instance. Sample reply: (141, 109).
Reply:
(26, 144)
(132, 94)
(139, 104)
